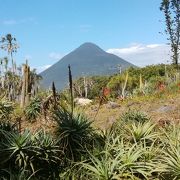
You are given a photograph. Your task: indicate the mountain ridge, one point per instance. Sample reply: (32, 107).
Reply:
(88, 59)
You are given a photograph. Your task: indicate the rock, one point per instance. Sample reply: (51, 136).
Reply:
(164, 109)
(82, 101)
(112, 105)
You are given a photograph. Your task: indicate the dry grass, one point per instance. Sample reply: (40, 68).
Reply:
(164, 109)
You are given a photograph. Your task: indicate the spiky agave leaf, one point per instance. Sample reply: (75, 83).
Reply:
(32, 111)
(17, 149)
(74, 132)
(143, 132)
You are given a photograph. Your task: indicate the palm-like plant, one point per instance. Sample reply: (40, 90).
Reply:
(9, 44)
(34, 81)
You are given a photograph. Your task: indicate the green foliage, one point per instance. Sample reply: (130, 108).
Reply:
(134, 116)
(74, 132)
(6, 109)
(143, 132)
(36, 154)
(116, 84)
(171, 10)
(47, 154)
(16, 150)
(141, 81)
(95, 84)
(119, 160)
(33, 110)
(98, 82)
(6, 126)
(133, 148)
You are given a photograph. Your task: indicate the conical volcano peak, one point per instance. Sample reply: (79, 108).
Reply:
(90, 47)
(88, 59)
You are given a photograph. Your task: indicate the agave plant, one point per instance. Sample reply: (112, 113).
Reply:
(6, 108)
(134, 116)
(171, 135)
(18, 175)
(171, 151)
(171, 160)
(74, 132)
(119, 161)
(33, 109)
(6, 126)
(16, 150)
(48, 157)
(143, 132)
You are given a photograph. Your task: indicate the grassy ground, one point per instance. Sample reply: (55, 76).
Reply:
(164, 108)
(161, 108)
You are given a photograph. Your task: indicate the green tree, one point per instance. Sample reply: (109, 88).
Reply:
(9, 44)
(171, 10)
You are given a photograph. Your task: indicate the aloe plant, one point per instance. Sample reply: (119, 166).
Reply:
(74, 132)
(134, 116)
(48, 157)
(16, 150)
(171, 160)
(32, 111)
(143, 132)
(6, 108)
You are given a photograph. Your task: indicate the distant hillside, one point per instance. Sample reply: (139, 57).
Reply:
(88, 59)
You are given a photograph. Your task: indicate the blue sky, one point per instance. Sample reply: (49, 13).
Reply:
(46, 30)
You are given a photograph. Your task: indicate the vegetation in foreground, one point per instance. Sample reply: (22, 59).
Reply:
(133, 148)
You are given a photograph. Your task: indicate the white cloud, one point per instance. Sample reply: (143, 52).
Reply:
(55, 56)
(153, 45)
(142, 55)
(130, 50)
